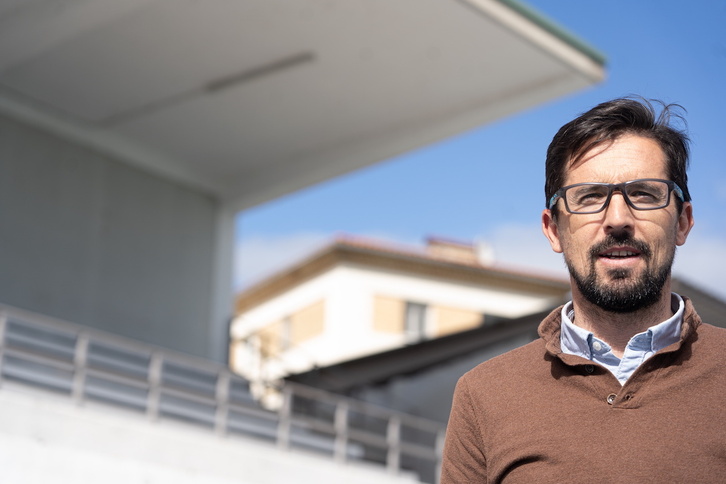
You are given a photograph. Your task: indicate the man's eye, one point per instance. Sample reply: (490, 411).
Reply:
(643, 194)
(590, 197)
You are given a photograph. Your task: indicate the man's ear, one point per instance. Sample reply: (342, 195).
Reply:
(549, 228)
(685, 223)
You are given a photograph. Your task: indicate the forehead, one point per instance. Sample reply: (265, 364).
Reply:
(628, 157)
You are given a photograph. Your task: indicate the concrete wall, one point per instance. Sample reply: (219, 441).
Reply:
(47, 439)
(95, 241)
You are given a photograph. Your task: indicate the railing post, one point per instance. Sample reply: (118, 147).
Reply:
(440, 437)
(393, 439)
(154, 399)
(341, 431)
(284, 426)
(222, 395)
(80, 360)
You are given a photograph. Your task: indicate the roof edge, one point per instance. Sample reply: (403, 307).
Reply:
(350, 249)
(533, 15)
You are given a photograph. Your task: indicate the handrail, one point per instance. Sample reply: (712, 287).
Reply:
(90, 365)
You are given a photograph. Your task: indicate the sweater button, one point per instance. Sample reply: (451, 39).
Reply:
(589, 368)
(611, 398)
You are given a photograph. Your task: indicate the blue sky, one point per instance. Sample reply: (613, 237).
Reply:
(487, 184)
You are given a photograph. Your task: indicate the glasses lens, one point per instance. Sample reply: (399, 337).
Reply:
(647, 194)
(586, 198)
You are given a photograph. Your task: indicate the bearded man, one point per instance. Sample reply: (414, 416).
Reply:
(625, 383)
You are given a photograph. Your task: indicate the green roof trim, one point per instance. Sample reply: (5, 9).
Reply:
(549, 25)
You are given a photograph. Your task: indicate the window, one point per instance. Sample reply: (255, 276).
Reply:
(415, 321)
(286, 334)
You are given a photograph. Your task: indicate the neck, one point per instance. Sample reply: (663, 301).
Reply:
(616, 329)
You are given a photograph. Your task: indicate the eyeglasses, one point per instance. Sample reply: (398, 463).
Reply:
(643, 194)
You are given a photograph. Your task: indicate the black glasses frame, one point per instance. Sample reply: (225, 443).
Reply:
(620, 187)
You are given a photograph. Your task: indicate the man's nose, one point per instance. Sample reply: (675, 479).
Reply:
(618, 215)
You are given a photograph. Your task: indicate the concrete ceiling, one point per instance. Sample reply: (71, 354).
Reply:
(251, 99)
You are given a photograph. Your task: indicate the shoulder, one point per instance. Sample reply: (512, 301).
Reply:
(703, 352)
(510, 367)
(712, 331)
(708, 335)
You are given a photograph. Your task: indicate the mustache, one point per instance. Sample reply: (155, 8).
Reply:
(611, 241)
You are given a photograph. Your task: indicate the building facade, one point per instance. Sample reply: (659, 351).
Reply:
(360, 297)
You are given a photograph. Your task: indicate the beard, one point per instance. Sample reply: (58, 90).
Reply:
(624, 293)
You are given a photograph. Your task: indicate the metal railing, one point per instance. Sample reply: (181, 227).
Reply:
(89, 365)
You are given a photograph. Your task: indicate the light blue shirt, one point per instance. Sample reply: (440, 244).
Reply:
(577, 341)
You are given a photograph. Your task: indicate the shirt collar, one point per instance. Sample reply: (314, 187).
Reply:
(574, 339)
(578, 341)
(669, 331)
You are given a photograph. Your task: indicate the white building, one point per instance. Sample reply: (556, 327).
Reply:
(358, 297)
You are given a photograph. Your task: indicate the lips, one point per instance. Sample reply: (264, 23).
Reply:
(619, 253)
(615, 249)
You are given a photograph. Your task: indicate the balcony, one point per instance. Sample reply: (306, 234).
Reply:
(89, 368)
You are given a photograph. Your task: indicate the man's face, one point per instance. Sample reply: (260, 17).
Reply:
(619, 259)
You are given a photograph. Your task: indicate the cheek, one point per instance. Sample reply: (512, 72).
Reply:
(662, 237)
(666, 244)
(577, 249)
(579, 240)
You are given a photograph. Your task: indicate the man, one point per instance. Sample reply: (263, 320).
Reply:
(625, 383)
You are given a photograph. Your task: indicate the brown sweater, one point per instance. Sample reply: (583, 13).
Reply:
(537, 415)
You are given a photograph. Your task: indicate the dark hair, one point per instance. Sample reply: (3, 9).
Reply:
(607, 122)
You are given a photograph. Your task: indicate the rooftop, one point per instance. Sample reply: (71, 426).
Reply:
(441, 258)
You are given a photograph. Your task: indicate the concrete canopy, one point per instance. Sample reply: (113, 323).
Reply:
(249, 100)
